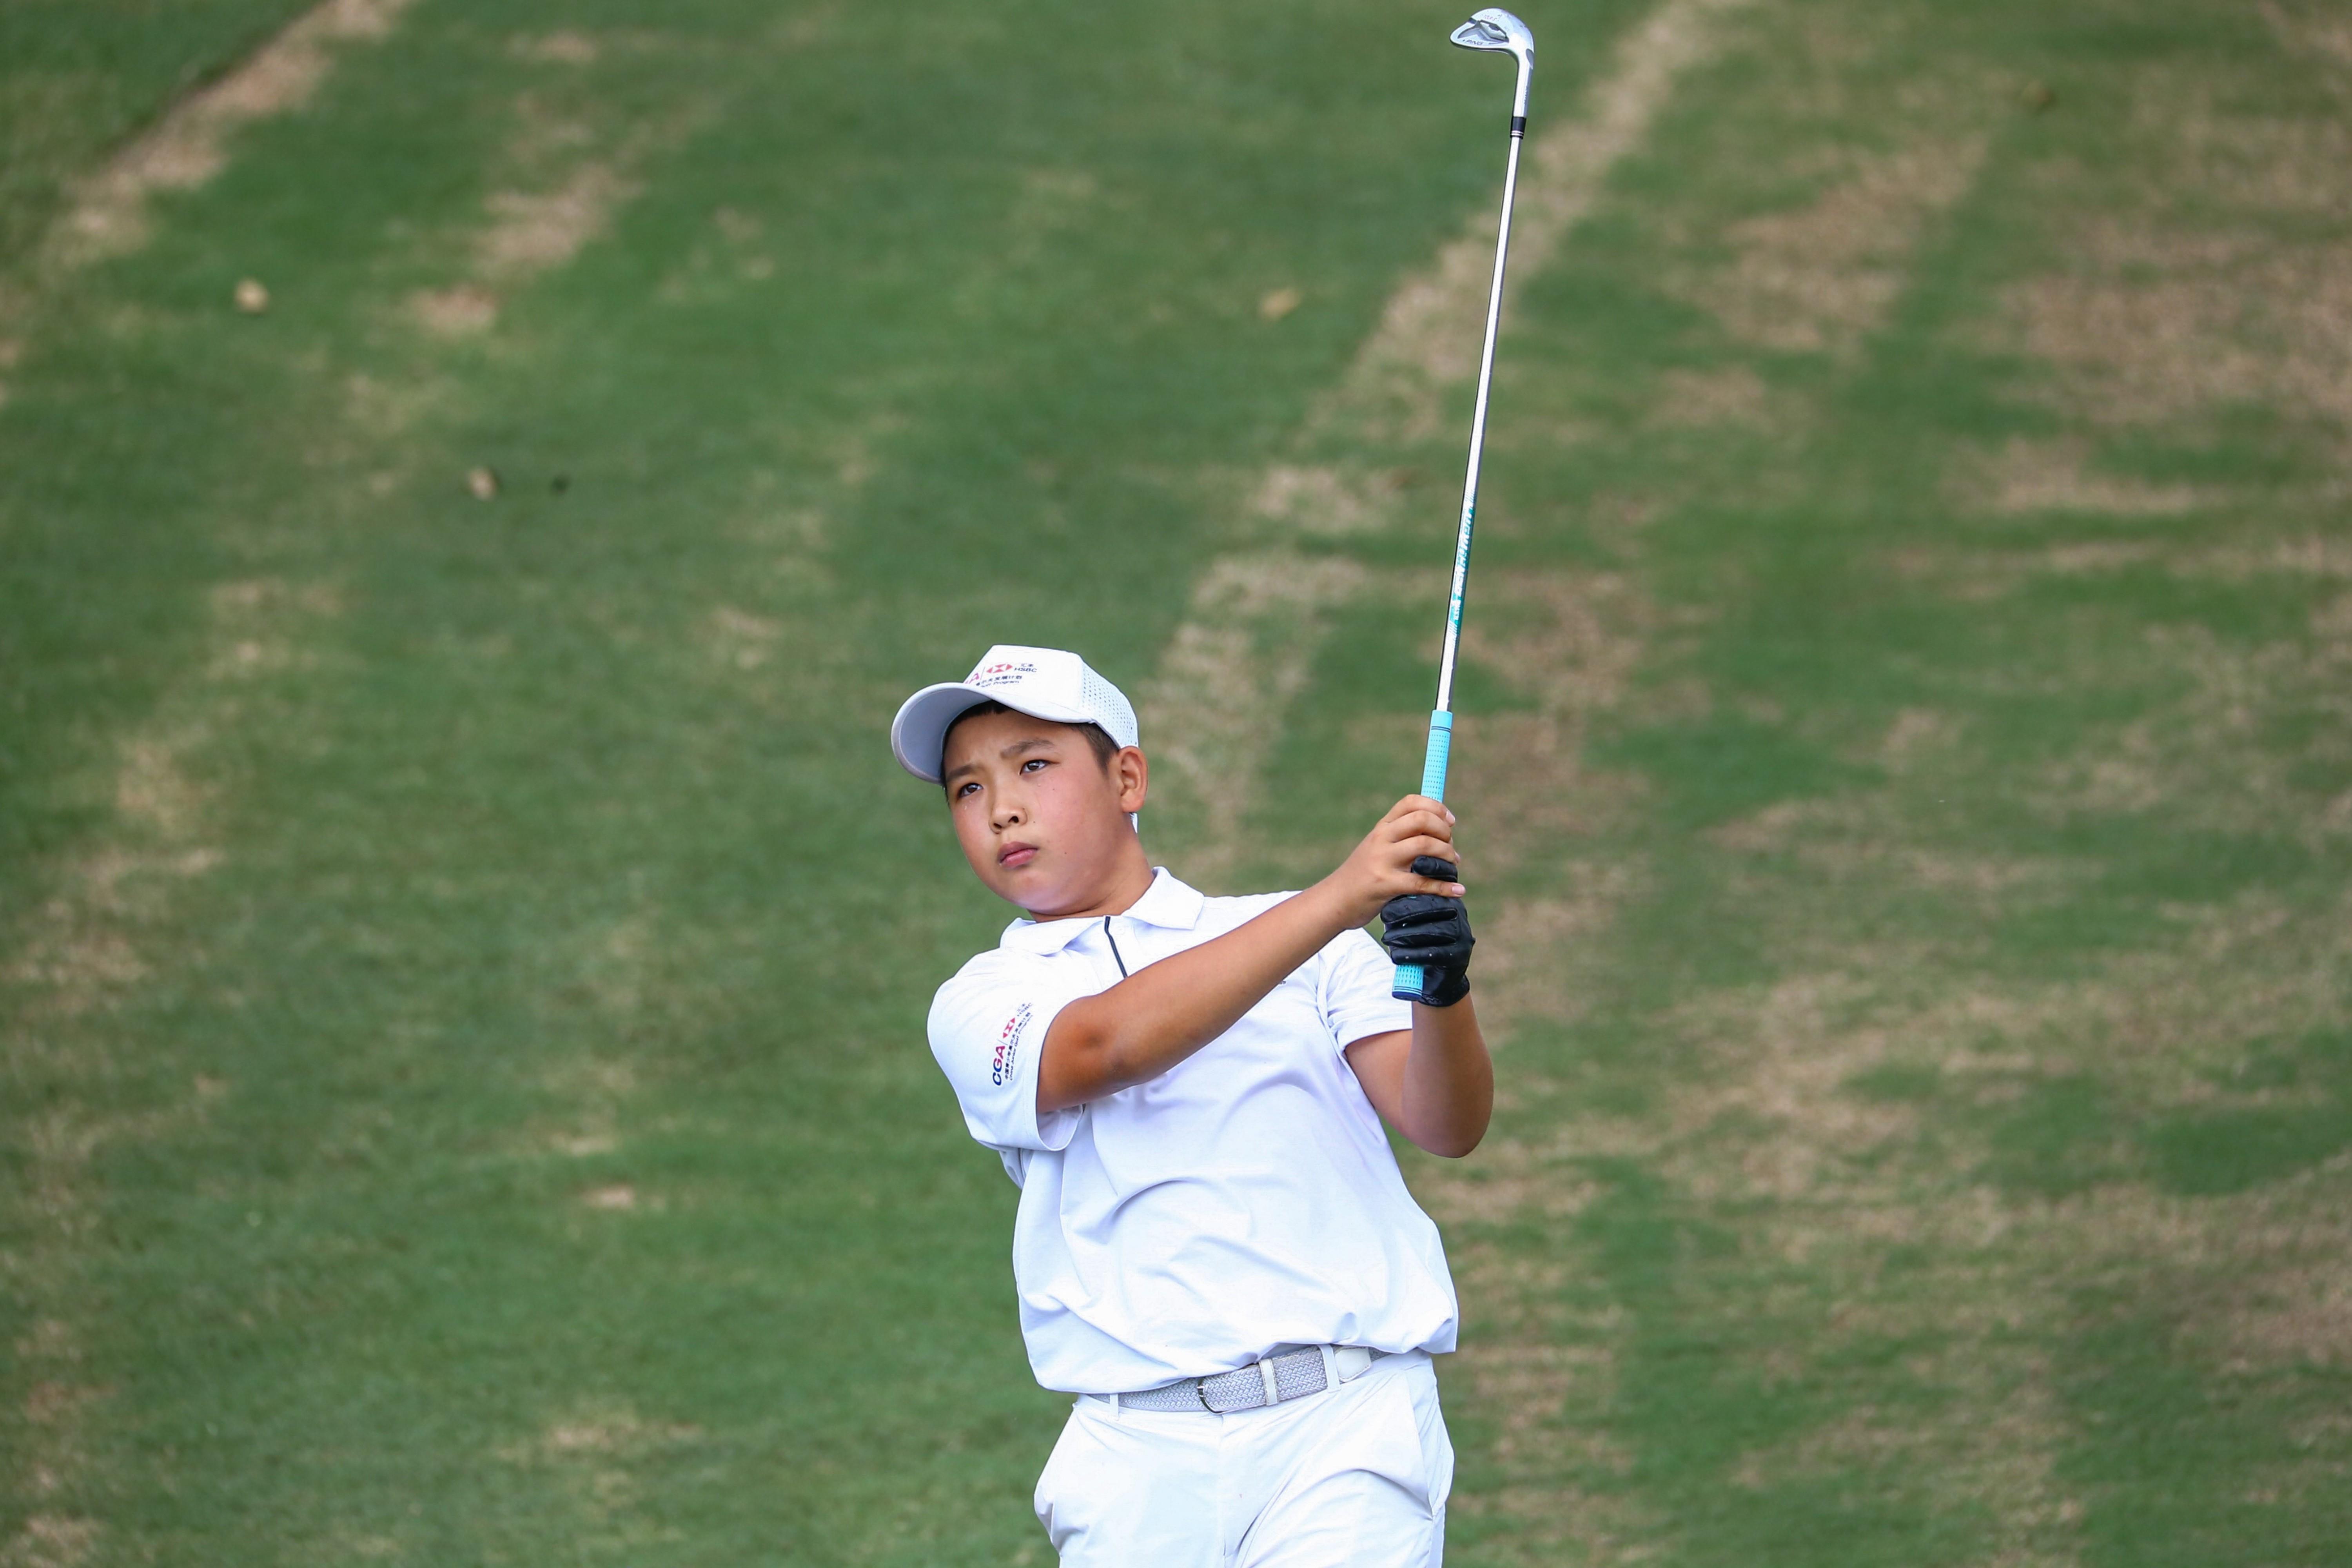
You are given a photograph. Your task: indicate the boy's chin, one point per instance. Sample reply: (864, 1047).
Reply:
(1041, 898)
(1023, 885)
(1036, 898)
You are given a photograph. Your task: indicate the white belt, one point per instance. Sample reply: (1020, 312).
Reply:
(1294, 1374)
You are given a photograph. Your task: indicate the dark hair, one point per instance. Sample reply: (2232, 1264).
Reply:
(1105, 748)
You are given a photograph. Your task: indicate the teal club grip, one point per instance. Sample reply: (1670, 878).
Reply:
(1441, 747)
(1406, 985)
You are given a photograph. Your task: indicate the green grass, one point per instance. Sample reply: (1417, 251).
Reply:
(464, 1093)
(78, 77)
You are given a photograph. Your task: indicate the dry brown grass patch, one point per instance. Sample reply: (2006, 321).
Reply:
(1784, 1057)
(2203, 758)
(1977, 575)
(2275, 327)
(2025, 476)
(1509, 1179)
(460, 310)
(2258, 1278)
(741, 639)
(593, 1090)
(1549, 1393)
(1049, 201)
(1918, 737)
(2205, 750)
(1992, 1449)
(2297, 1316)
(1864, 844)
(90, 944)
(1321, 499)
(1725, 396)
(1241, 656)
(2195, 297)
(108, 214)
(52, 1541)
(1768, 830)
(569, 176)
(1570, 640)
(535, 231)
(2312, 28)
(563, 47)
(1823, 276)
(1538, 958)
(1549, 1384)
(152, 789)
(600, 1433)
(82, 951)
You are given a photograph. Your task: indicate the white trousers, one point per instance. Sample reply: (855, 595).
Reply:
(1355, 1477)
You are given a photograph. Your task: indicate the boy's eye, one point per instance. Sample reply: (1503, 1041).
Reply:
(965, 789)
(1033, 765)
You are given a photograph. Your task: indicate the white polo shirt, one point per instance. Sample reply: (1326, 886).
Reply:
(1244, 1199)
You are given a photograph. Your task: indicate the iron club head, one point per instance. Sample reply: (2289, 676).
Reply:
(1496, 31)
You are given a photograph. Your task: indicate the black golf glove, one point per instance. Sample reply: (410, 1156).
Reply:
(1434, 933)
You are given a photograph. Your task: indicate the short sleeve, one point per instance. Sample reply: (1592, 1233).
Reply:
(988, 1031)
(1354, 993)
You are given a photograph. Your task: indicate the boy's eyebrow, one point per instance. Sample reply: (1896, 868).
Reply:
(1027, 743)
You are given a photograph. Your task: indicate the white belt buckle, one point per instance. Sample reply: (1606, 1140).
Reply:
(1351, 1361)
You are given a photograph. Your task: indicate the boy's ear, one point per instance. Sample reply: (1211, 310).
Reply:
(1132, 774)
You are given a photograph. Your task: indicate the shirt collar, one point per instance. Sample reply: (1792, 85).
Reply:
(1168, 903)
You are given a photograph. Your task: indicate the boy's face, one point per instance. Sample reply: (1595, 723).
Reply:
(1042, 823)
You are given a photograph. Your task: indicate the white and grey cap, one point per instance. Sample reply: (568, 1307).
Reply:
(1042, 682)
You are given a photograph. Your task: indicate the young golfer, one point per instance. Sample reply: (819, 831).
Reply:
(1215, 1249)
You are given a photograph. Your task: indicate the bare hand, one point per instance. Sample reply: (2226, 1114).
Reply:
(1380, 868)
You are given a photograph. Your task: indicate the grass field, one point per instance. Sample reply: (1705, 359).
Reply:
(463, 1095)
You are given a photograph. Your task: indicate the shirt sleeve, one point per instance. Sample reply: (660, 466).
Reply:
(988, 1031)
(1354, 994)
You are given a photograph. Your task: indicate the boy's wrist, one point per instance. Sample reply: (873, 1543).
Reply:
(1334, 911)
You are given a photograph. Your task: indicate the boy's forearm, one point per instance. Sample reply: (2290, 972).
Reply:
(1158, 1016)
(1448, 1093)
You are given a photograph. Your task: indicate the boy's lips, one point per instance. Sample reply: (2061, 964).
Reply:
(1017, 855)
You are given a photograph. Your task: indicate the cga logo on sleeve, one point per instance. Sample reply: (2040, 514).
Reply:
(1008, 1045)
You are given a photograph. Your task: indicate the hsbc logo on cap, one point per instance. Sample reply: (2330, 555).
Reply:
(999, 673)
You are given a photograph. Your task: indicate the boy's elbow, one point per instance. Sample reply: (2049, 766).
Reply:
(1453, 1146)
(1452, 1137)
(1080, 1064)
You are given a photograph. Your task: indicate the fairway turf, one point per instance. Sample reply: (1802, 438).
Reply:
(78, 78)
(464, 1096)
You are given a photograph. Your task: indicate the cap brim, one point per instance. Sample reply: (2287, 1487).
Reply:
(920, 733)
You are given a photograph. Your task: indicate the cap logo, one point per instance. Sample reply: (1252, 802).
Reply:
(1000, 674)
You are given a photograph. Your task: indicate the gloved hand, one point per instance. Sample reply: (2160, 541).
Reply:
(1434, 933)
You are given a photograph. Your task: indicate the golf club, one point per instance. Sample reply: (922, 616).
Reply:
(1495, 31)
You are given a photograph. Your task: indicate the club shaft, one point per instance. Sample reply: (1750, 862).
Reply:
(1479, 434)
(1435, 760)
